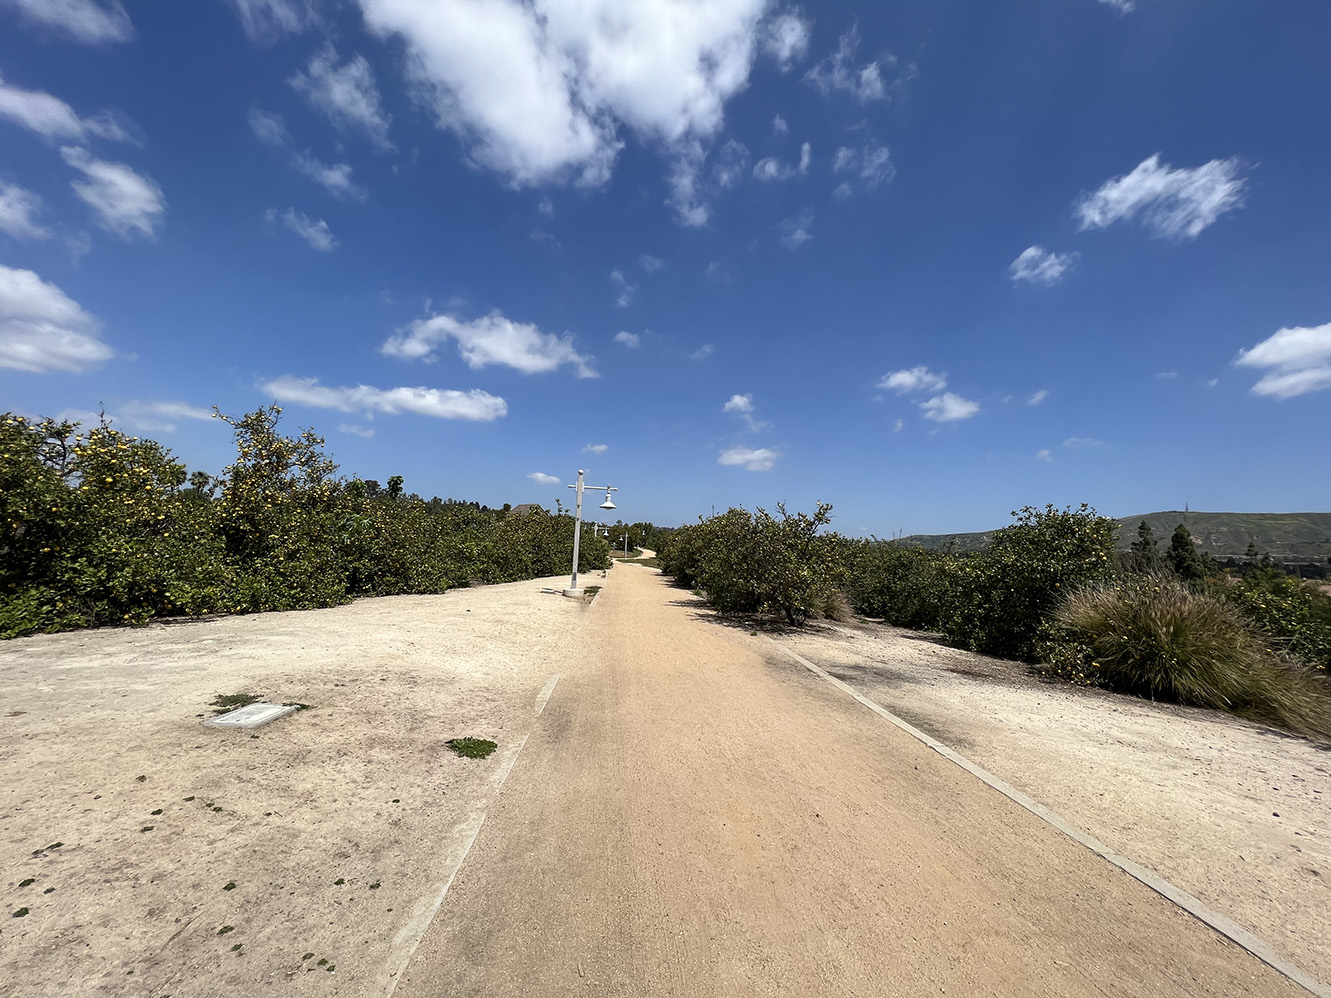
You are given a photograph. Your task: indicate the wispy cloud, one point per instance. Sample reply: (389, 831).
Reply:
(19, 208)
(1044, 455)
(1296, 361)
(490, 340)
(355, 430)
(265, 21)
(317, 234)
(785, 37)
(85, 21)
(347, 94)
(1038, 397)
(1175, 204)
(268, 128)
(475, 405)
(53, 119)
(1036, 265)
(624, 291)
(742, 406)
(796, 229)
(779, 126)
(650, 264)
(1075, 443)
(761, 459)
(541, 478)
(630, 340)
(43, 329)
(839, 72)
(596, 448)
(124, 202)
(336, 179)
(703, 352)
(864, 168)
(162, 416)
(1122, 6)
(770, 168)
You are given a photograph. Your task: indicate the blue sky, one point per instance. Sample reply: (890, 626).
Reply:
(929, 260)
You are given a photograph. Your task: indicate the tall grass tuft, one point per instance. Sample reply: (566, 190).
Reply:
(1155, 638)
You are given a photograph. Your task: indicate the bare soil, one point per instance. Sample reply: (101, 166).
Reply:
(692, 814)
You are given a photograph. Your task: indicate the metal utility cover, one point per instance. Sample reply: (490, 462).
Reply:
(252, 715)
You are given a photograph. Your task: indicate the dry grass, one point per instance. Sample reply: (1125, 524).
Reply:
(1156, 638)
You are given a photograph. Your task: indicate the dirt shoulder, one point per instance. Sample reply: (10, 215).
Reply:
(328, 823)
(1237, 814)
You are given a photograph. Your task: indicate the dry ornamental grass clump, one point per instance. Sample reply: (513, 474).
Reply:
(1156, 638)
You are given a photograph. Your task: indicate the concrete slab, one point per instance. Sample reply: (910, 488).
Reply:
(252, 715)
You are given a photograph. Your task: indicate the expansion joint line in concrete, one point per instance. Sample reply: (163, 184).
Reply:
(1225, 926)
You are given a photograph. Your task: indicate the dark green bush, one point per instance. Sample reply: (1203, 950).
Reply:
(102, 528)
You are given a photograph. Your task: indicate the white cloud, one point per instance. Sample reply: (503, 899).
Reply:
(650, 264)
(779, 126)
(83, 21)
(1044, 455)
(797, 229)
(40, 112)
(541, 478)
(356, 430)
(898, 426)
(1166, 375)
(537, 92)
(317, 234)
(624, 290)
(492, 339)
(730, 165)
(19, 208)
(43, 329)
(546, 207)
(336, 179)
(716, 273)
(703, 352)
(838, 72)
(1038, 397)
(1297, 361)
(869, 166)
(912, 380)
(1171, 203)
(739, 403)
(437, 402)
(770, 168)
(346, 93)
(630, 340)
(1036, 265)
(125, 202)
(596, 448)
(1122, 6)
(266, 21)
(1075, 443)
(761, 459)
(268, 128)
(949, 408)
(785, 38)
(160, 417)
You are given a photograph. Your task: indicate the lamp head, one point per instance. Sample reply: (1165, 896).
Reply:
(608, 504)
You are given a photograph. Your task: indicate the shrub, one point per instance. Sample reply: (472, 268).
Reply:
(1154, 637)
(1296, 614)
(1001, 600)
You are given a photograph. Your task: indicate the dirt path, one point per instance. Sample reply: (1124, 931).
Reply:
(693, 817)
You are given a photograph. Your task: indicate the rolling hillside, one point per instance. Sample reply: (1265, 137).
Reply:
(1285, 536)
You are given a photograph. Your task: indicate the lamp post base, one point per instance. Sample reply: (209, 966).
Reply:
(573, 592)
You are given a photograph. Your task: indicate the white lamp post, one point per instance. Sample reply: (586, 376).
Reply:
(573, 589)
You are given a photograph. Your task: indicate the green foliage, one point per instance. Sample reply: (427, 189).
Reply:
(103, 528)
(1000, 601)
(755, 562)
(1297, 615)
(1183, 557)
(1154, 637)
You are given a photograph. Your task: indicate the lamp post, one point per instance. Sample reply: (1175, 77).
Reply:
(573, 589)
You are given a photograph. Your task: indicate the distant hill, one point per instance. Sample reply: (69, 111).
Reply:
(1290, 537)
